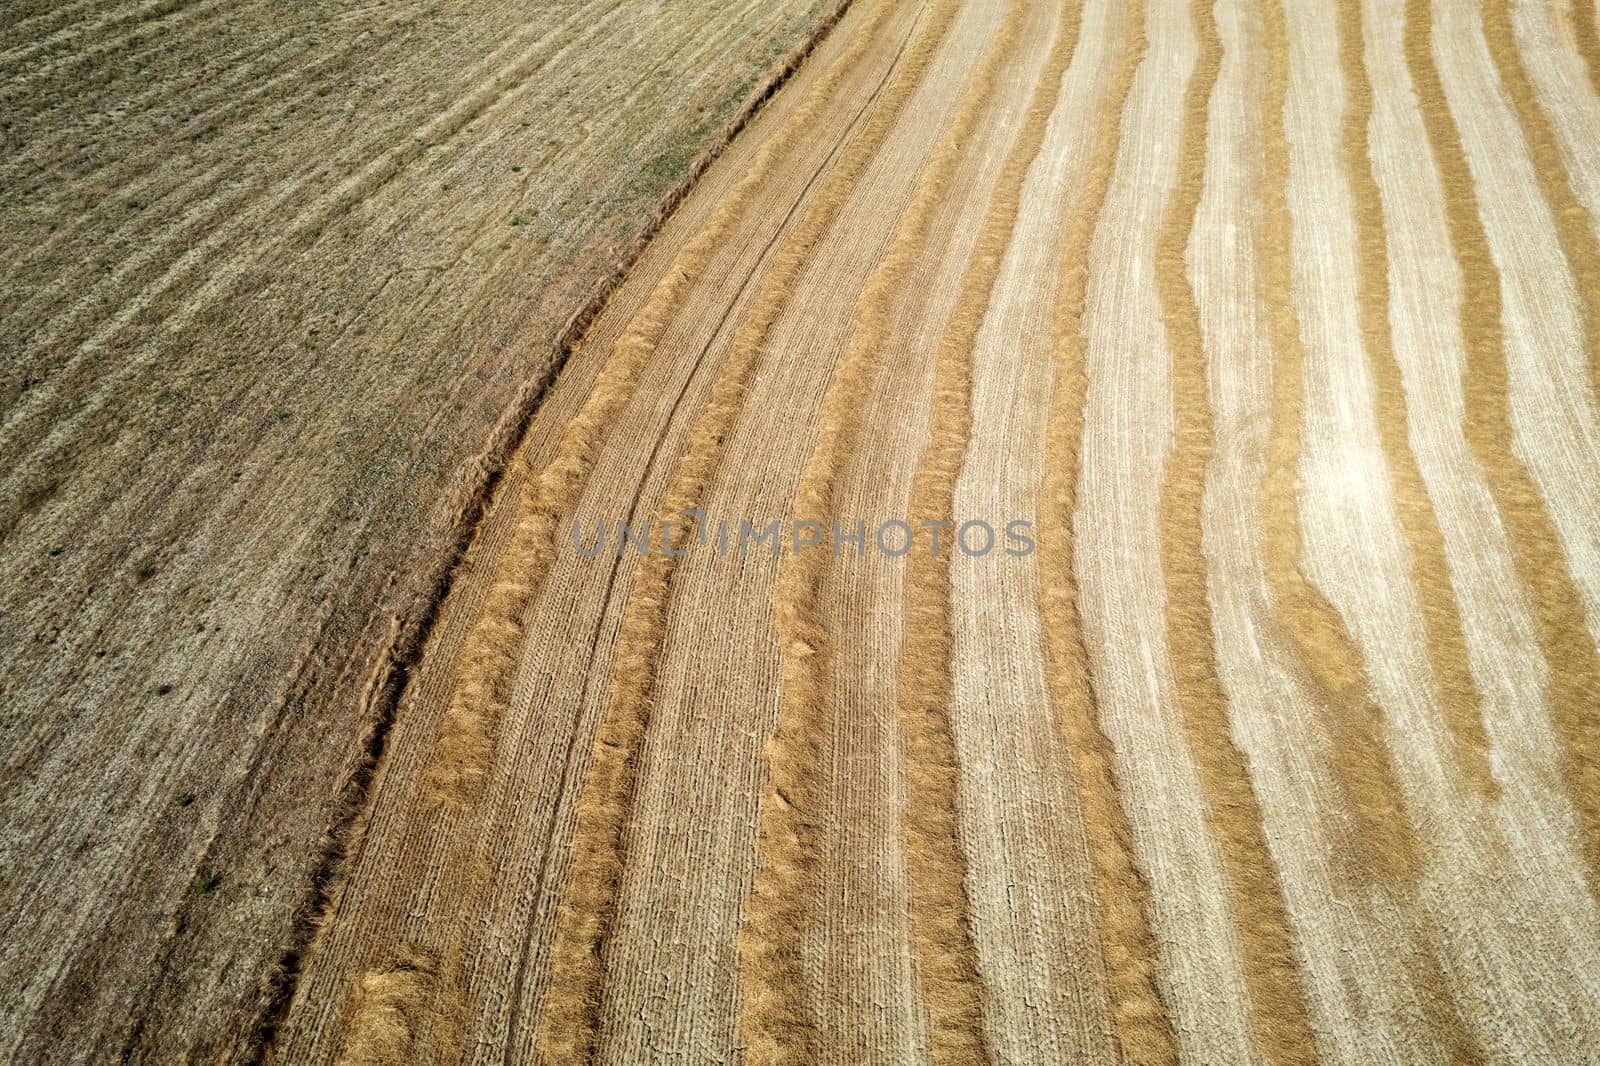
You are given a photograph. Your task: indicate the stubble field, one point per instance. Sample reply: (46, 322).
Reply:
(281, 284)
(1274, 322)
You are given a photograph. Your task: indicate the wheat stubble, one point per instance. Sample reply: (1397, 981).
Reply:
(1574, 679)
(573, 1011)
(861, 937)
(1516, 991)
(484, 672)
(1575, 230)
(1381, 842)
(1457, 693)
(1126, 440)
(1030, 879)
(947, 960)
(390, 1017)
(1586, 39)
(1278, 1016)
(1555, 69)
(1139, 1014)
(488, 660)
(1356, 542)
(1191, 866)
(1351, 942)
(774, 1021)
(456, 853)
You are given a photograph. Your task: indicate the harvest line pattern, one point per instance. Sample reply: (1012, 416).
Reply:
(1288, 735)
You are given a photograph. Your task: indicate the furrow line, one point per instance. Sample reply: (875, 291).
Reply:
(144, 32)
(74, 31)
(227, 279)
(28, 25)
(222, 221)
(203, 90)
(267, 70)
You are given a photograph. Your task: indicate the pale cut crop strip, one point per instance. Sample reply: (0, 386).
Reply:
(1462, 903)
(1520, 984)
(1127, 433)
(1457, 692)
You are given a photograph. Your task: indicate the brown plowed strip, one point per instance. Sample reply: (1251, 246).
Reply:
(276, 304)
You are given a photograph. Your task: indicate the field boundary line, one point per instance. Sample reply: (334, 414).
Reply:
(482, 672)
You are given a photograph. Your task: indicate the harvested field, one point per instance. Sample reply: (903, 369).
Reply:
(281, 285)
(1261, 335)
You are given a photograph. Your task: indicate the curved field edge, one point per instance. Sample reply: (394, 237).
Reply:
(259, 726)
